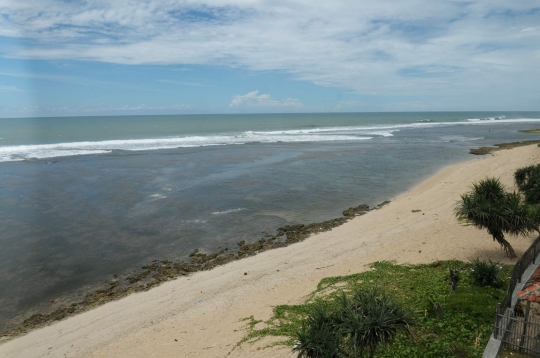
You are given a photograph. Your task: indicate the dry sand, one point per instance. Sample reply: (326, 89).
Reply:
(200, 316)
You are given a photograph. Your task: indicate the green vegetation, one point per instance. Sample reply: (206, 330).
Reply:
(355, 328)
(489, 206)
(456, 325)
(486, 273)
(528, 181)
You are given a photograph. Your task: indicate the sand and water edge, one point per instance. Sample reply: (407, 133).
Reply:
(200, 315)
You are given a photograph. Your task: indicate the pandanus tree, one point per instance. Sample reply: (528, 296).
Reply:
(528, 181)
(371, 319)
(489, 206)
(356, 328)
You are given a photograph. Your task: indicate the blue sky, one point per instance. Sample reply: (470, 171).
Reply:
(67, 58)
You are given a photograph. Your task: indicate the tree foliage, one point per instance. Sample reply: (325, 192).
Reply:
(528, 181)
(356, 328)
(489, 206)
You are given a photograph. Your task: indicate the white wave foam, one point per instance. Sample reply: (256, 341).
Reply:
(348, 133)
(499, 118)
(227, 211)
(22, 152)
(458, 138)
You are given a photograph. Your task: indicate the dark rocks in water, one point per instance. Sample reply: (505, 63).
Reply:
(188, 268)
(201, 258)
(384, 203)
(222, 259)
(164, 270)
(501, 146)
(359, 210)
(139, 276)
(251, 249)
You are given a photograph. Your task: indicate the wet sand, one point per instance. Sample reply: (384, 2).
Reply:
(200, 315)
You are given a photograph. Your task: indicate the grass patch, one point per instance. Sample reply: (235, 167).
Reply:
(447, 325)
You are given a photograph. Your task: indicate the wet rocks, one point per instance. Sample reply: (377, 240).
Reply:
(384, 203)
(187, 268)
(251, 249)
(357, 211)
(222, 259)
(496, 147)
(164, 270)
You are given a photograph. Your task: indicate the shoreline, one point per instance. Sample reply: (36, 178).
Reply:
(160, 271)
(275, 276)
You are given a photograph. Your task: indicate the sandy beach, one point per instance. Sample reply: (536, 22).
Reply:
(201, 315)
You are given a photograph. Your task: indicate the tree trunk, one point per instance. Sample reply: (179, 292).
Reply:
(499, 237)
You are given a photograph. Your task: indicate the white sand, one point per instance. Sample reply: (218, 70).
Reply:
(199, 316)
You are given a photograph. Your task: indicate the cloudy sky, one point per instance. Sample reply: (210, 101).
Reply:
(249, 56)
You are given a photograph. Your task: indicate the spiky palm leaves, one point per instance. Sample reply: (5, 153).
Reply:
(356, 328)
(318, 337)
(528, 181)
(488, 206)
(371, 319)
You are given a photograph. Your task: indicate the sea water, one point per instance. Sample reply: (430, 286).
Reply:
(85, 198)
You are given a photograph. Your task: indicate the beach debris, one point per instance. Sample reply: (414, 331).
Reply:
(454, 277)
(318, 268)
(416, 211)
(245, 273)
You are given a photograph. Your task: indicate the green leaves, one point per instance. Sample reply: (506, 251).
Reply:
(488, 206)
(486, 273)
(528, 181)
(318, 336)
(356, 327)
(460, 328)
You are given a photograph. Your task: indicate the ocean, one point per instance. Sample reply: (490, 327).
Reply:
(85, 198)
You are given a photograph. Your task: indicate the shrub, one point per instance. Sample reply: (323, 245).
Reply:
(318, 336)
(486, 273)
(372, 319)
(357, 327)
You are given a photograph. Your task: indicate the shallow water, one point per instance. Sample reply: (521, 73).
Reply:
(70, 222)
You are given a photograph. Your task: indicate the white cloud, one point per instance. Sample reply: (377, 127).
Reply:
(181, 83)
(255, 99)
(10, 89)
(93, 109)
(463, 50)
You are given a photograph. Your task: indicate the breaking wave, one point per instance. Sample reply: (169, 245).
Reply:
(325, 134)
